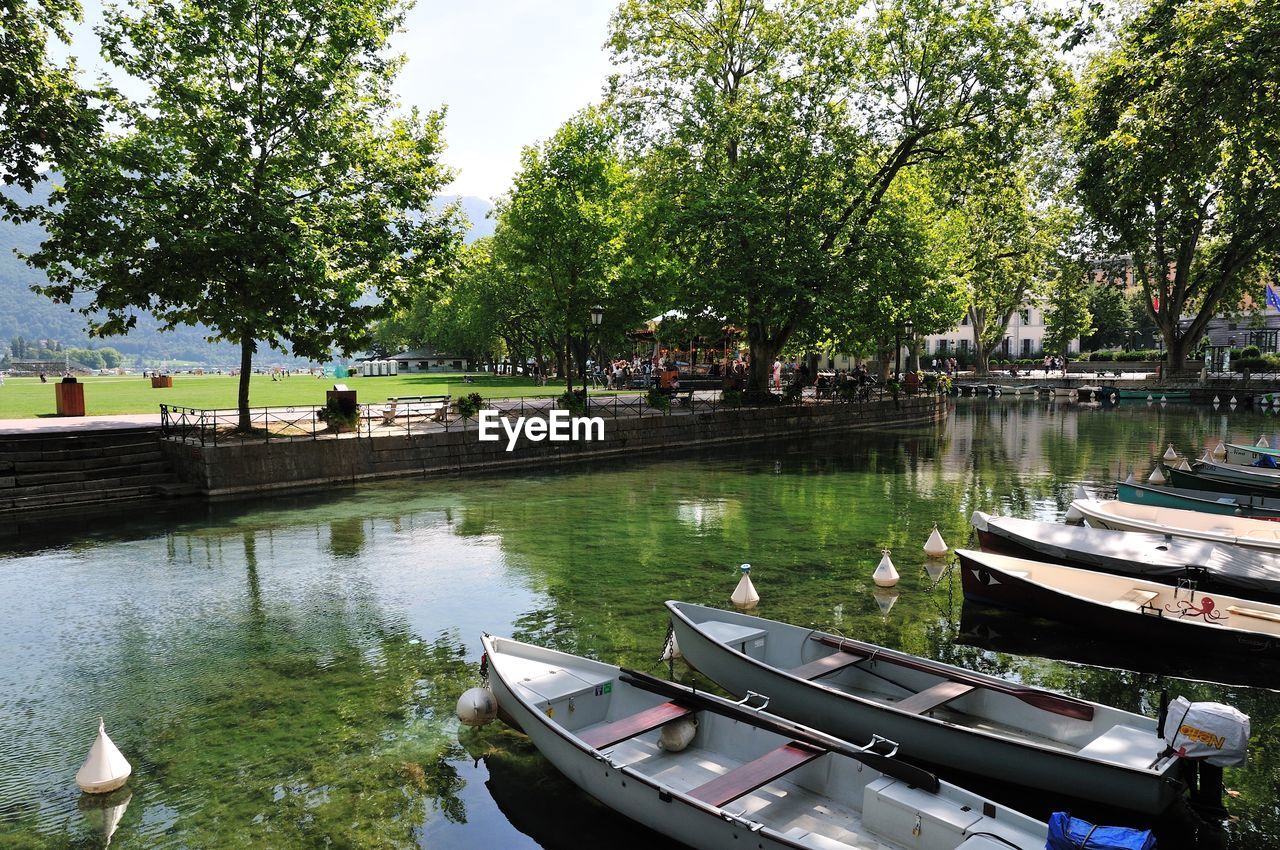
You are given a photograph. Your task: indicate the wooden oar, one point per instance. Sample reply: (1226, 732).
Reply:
(1055, 703)
(699, 700)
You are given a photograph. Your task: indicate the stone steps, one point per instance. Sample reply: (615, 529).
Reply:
(84, 470)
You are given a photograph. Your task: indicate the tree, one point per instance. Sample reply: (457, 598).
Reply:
(263, 186)
(42, 110)
(1177, 139)
(560, 231)
(1066, 298)
(772, 133)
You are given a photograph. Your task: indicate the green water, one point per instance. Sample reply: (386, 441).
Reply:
(283, 673)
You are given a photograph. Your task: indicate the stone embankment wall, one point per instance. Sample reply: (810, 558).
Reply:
(241, 469)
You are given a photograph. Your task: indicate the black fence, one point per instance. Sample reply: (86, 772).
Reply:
(221, 427)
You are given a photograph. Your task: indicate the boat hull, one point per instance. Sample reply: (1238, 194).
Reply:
(1204, 501)
(987, 585)
(1203, 480)
(927, 739)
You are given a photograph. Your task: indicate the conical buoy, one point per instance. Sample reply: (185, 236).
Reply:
(1217, 400)
(1262, 443)
(884, 599)
(1233, 400)
(1131, 479)
(671, 650)
(1219, 451)
(1183, 466)
(1156, 476)
(1149, 397)
(744, 595)
(1080, 492)
(1164, 399)
(105, 768)
(1170, 454)
(1073, 514)
(935, 546)
(885, 575)
(476, 707)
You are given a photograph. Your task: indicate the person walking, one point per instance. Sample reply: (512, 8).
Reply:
(777, 375)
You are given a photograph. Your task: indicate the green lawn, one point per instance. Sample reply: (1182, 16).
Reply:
(23, 398)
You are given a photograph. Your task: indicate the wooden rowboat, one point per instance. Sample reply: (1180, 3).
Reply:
(1155, 613)
(1231, 530)
(1154, 557)
(940, 714)
(1205, 479)
(743, 778)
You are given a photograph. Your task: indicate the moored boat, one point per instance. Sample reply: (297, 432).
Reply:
(1155, 394)
(1238, 531)
(1155, 613)
(1204, 501)
(715, 774)
(1155, 557)
(938, 713)
(1203, 479)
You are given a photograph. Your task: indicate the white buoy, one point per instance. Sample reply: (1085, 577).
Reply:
(1262, 443)
(678, 734)
(1156, 476)
(1073, 514)
(1149, 399)
(1131, 479)
(1183, 466)
(105, 768)
(885, 575)
(935, 546)
(1080, 492)
(1219, 451)
(1217, 400)
(744, 595)
(476, 707)
(1233, 400)
(884, 599)
(1170, 454)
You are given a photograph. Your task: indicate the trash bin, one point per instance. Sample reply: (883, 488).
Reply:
(69, 397)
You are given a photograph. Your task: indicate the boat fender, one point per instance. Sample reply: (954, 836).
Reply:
(678, 734)
(476, 707)
(744, 595)
(1210, 731)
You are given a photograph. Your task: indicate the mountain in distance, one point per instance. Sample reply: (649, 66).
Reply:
(27, 314)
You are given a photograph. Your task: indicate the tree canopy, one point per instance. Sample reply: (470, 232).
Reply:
(265, 186)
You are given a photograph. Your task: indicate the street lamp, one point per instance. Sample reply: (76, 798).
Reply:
(597, 316)
(909, 329)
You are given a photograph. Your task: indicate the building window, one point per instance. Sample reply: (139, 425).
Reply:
(1231, 326)
(423, 365)
(965, 320)
(457, 365)
(402, 364)
(1026, 317)
(964, 346)
(1026, 347)
(942, 346)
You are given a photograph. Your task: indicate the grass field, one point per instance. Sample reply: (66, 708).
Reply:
(24, 398)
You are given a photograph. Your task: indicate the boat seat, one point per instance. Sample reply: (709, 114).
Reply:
(1241, 611)
(1134, 599)
(933, 697)
(608, 734)
(1125, 745)
(744, 779)
(826, 664)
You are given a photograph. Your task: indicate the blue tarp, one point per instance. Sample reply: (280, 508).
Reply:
(1068, 833)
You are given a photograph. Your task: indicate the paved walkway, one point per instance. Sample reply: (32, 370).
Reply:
(75, 424)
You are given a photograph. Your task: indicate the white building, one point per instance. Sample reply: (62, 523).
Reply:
(427, 360)
(1023, 339)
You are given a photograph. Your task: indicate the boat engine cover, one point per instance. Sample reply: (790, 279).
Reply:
(1216, 733)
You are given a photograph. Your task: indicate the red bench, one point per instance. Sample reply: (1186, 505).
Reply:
(826, 664)
(632, 725)
(746, 778)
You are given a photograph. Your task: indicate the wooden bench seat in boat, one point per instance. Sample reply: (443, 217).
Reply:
(1134, 599)
(825, 665)
(744, 779)
(932, 697)
(632, 725)
(1241, 611)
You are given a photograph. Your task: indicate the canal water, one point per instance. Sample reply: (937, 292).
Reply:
(282, 673)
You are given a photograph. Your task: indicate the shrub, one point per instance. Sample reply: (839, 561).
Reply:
(1253, 364)
(1251, 351)
(572, 401)
(659, 400)
(1102, 356)
(339, 418)
(469, 405)
(731, 397)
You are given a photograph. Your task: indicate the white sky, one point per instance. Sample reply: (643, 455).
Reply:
(510, 72)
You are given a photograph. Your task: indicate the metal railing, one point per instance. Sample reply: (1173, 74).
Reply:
(221, 427)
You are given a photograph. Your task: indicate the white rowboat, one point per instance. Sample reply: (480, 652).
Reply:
(1233, 530)
(746, 779)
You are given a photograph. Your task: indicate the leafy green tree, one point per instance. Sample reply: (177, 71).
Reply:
(772, 134)
(1177, 140)
(561, 231)
(1065, 298)
(263, 187)
(42, 110)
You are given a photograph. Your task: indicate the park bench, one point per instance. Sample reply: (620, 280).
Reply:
(436, 407)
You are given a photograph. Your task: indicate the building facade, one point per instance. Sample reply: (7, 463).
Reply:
(427, 360)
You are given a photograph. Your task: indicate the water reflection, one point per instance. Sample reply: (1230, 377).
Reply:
(283, 672)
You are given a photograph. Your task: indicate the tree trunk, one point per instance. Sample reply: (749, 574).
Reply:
(247, 348)
(763, 352)
(1176, 347)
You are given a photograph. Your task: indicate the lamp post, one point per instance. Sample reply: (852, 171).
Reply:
(909, 330)
(597, 316)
